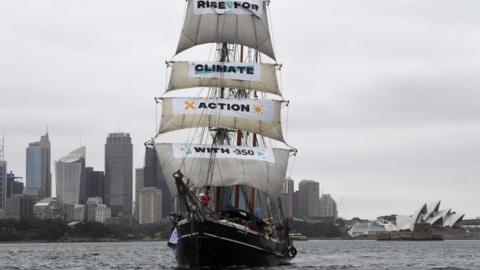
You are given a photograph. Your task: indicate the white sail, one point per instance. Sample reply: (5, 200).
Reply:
(261, 168)
(259, 77)
(239, 22)
(252, 115)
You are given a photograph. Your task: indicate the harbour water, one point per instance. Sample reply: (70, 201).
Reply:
(312, 255)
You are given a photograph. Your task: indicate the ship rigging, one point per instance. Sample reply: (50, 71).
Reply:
(227, 177)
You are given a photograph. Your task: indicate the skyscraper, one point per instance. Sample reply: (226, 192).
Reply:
(95, 183)
(3, 184)
(14, 187)
(150, 205)
(19, 206)
(70, 174)
(39, 177)
(139, 176)
(287, 198)
(119, 173)
(153, 177)
(138, 186)
(295, 210)
(328, 207)
(308, 198)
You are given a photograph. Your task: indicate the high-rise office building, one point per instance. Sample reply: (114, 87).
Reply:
(287, 198)
(39, 177)
(328, 207)
(139, 176)
(95, 183)
(138, 186)
(70, 175)
(3, 184)
(3, 177)
(308, 198)
(19, 206)
(153, 177)
(13, 186)
(295, 210)
(150, 206)
(119, 173)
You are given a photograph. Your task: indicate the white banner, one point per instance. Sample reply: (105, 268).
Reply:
(226, 71)
(265, 176)
(240, 7)
(254, 109)
(225, 152)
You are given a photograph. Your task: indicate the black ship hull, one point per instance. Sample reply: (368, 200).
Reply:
(212, 243)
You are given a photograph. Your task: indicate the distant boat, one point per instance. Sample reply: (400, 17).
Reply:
(225, 175)
(298, 237)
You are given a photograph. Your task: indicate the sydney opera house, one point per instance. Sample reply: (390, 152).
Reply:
(429, 214)
(427, 222)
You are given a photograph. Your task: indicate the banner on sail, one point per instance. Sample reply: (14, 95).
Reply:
(228, 71)
(245, 7)
(212, 27)
(242, 108)
(257, 77)
(225, 152)
(252, 115)
(226, 170)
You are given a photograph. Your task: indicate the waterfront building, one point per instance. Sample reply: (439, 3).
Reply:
(68, 212)
(102, 213)
(308, 198)
(150, 206)
(369, 229)
(47, 208)
(92, 204)
(19, 207)
(79, 212)
(97, 211)
(13, 186)
(121, 219)
(70, 176)
(430, 214)
(3, 183)
(328, 207)
(119, 173)
(153, 177)
(39, 177)
(471, 223)
(95, 183)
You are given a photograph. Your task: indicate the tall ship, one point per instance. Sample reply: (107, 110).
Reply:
(228, 169)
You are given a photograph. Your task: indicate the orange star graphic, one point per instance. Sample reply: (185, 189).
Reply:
(189, 105)
(258, 109)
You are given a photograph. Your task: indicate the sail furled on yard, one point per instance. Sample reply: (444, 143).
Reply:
(252, 76)
(261, 168)
(238, 22)
(252, 115)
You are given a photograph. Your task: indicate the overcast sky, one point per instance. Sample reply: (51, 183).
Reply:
(385, 96)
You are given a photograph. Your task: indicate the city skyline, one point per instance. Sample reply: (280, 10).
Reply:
(384, 109)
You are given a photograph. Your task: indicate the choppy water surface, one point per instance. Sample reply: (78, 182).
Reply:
(312, 255)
